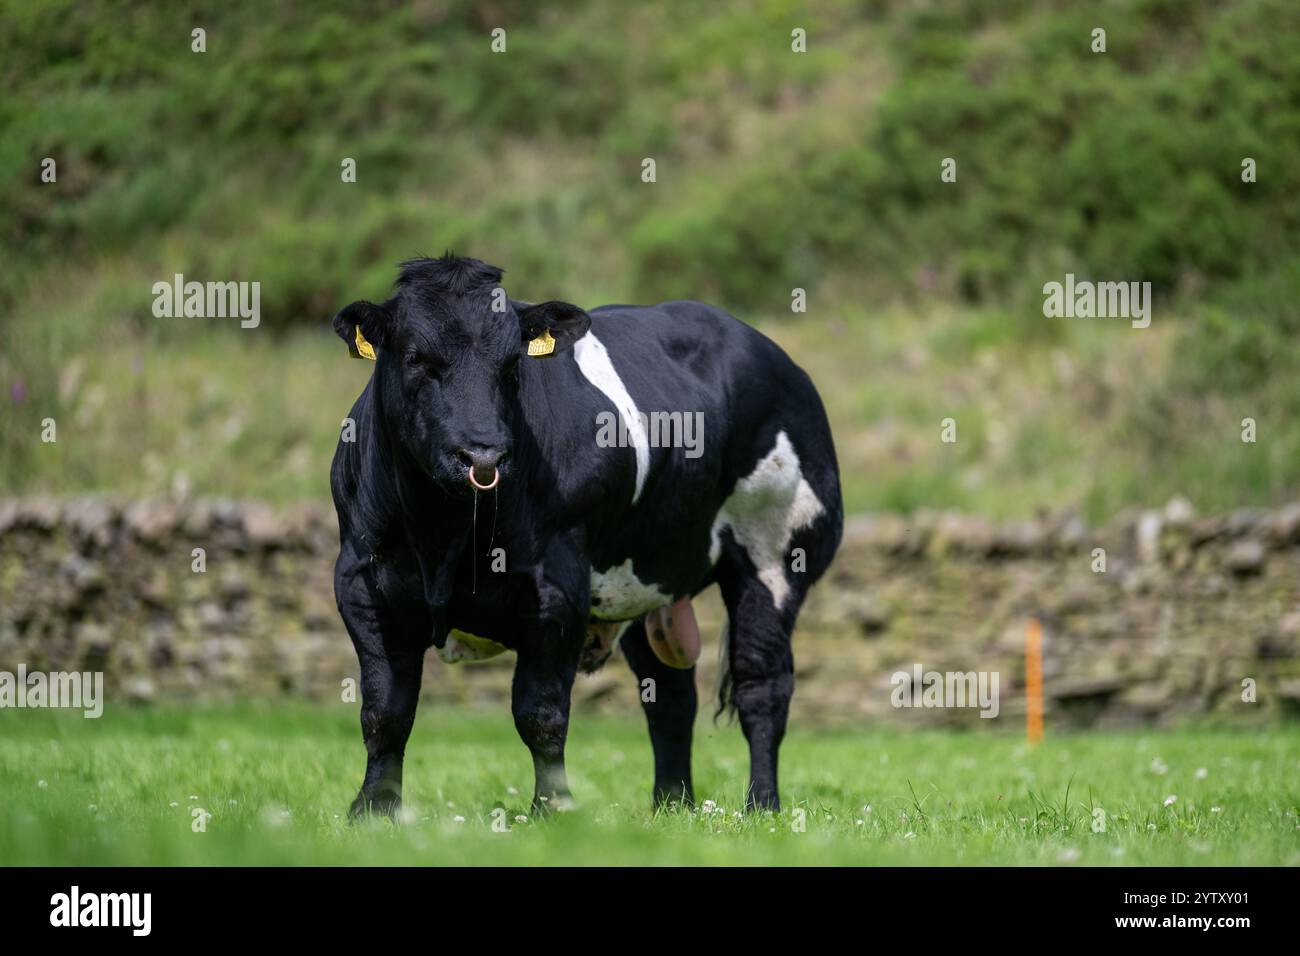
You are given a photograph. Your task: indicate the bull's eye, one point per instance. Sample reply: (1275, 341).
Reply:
(510, 371)
(415, 361)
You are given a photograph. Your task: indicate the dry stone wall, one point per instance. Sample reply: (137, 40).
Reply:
(1187, 609)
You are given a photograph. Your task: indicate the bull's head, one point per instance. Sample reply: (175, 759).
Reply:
(448, 347)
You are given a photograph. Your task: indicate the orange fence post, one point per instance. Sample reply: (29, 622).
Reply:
(1034, 680)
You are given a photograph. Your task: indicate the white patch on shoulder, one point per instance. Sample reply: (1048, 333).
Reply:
(621, 595)
(765, 511)
(468, 647)
(594, 361)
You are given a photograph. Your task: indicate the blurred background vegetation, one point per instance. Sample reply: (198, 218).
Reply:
(775, 171)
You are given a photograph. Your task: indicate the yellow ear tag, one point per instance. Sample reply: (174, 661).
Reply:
(544, 344)
(364, 349)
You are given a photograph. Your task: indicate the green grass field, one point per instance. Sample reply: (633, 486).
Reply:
(277, 781)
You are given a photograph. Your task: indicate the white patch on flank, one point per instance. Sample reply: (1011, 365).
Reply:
(595, 364)
(622, 595)
(765, 511)
(468, 647)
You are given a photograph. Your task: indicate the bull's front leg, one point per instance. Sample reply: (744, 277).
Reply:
(542, 690)
(391, 660)
(390, 691)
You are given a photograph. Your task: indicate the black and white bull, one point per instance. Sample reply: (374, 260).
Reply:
(486, 504)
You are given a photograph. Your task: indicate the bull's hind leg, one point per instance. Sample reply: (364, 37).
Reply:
(759, 681)
(774, 536)
(669, 700)
(392, 660)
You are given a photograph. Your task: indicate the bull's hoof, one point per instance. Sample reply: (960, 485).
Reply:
(763, 801)
(385, 804)
(674, 796)
(554, 803)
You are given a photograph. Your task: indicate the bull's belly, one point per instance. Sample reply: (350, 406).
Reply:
(617, 597)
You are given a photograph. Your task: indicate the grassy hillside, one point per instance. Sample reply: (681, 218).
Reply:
(775, 170)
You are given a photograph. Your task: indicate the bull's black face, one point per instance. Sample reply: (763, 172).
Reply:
(449, 347)
(456, 372)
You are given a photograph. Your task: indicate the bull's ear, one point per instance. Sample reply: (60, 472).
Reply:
(364, 327)
(551, 327)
